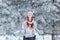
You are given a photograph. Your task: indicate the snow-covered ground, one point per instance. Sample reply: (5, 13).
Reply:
(11, 37)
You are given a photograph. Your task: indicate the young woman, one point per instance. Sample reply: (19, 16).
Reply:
(28, 27)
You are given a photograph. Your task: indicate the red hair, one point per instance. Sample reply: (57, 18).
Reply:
(32, 25)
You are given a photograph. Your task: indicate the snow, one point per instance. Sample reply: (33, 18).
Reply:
(11, 37)
(45, 15)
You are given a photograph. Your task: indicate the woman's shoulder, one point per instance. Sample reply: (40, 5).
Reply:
(24, 22)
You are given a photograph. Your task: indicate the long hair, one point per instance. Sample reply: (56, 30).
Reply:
(32, 25)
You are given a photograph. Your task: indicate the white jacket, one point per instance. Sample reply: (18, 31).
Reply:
(27, 32)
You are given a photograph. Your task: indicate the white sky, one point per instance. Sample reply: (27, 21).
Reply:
(0, 0)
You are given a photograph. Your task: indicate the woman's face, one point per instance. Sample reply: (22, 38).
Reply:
(30, 16)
